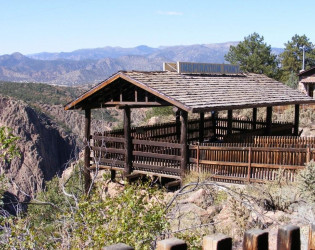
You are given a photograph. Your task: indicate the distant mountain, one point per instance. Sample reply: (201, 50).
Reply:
(94, 65)
(95, 54)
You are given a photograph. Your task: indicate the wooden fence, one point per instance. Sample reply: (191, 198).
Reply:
(148, 156)
(236, 162)
(170, 131)
(248, 162)
(288, 238)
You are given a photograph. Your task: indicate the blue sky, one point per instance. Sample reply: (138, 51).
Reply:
(64, 25)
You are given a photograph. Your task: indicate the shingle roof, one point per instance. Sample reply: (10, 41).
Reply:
(199, 93)
(309, 79)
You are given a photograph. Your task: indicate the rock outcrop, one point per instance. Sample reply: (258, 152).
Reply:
(44, 146)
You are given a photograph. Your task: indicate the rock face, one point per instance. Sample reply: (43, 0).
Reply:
(45, 148)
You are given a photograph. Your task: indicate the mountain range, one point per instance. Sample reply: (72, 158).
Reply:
(89, 66)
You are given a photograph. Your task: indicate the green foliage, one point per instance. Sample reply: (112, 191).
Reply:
(56, 219)
(306, 182)
(159, 111)
(135, 217)
(292, 81)
(39, 92)
(292, 56)
(8, 148)
(253, 55)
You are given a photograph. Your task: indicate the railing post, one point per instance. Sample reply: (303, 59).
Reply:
(254, 122)
(288, 238)
(184, 141)
(87, 152)
(177, 124)
(311, 237)
(308, 154)
(296, 119)
(255, 239)
(249, 163)
(198, 156)
(230, 122)
(128, 141)
(171, 244)
(268, 120)
(201, 127)
(217, 242)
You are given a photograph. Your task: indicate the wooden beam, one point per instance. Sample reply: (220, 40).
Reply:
(214, 115)
(254, 123)
(183, 141)
(296, 119)
(268, 120)
(230, 120)
(86, 171)
(128, 142)
(177, 114)
(201, 127)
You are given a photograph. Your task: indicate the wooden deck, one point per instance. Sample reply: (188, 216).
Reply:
(257, 159)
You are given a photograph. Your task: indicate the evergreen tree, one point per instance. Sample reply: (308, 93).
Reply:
(292, 56)
(253, 55)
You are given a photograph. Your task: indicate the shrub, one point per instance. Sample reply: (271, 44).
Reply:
(306, 182)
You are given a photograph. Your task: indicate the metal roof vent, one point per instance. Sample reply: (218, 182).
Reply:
(201, 68)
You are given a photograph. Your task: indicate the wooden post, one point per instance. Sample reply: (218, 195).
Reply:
(177, 114)
(171, 244)
(87, 130)
(214, 115)
(308, 153)
(217, 242)
(254, 124)
(229, 124)
(268, 120)
(198, 156)
(249, 163)
(128, 142)
(296, 119)
(112, 175)
(311, 237)
(201, 127)
(183, 141)
(288, 238)
(255, 239)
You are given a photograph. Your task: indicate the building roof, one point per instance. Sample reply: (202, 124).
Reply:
(310, 79)
(307, 72)
(198, 92)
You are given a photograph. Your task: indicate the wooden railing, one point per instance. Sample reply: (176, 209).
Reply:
(248, 162)
(170, 131)
(148, 155)
(156, 156)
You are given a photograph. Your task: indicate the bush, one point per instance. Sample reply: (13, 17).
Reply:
(306, 182)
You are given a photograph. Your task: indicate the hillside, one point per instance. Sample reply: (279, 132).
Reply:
(94, 65)
(49, 135)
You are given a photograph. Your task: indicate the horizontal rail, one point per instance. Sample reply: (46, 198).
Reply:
(156, 155)
(159, 168)
(108, 150)
(157, 143)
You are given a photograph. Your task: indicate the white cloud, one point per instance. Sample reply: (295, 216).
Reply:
(170, 13)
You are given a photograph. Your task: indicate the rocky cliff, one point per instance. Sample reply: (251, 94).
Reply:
(44, 146)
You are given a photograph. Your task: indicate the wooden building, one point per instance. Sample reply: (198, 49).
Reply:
(307, 82)
(191, 89)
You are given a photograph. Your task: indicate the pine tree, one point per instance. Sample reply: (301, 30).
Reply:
(255, 56)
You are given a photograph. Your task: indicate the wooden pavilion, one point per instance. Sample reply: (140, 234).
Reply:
(196, 90)
(307, 82)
